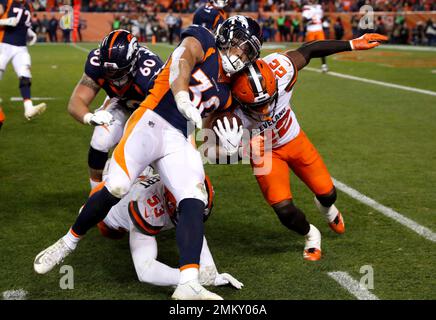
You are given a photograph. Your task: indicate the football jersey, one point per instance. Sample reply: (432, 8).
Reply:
(16, 36)
(208, 87)
(144, 207)
(314, 14)
(130, 95)
(209, 16)
(282, 120)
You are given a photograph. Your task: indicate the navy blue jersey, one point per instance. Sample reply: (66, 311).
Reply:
(209, 17)
(134, 92)
(22, 10)
(209, 87)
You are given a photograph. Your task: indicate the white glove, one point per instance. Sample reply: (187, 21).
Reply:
(186, 108)
(99, 118)
(33, 37)
(230, 137)
(222, 279)
(9, 22)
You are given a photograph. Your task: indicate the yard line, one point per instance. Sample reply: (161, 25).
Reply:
(380, 83)
(19, 294)
(352, 286)
(80, 48)
(388, 212)
(15, 99)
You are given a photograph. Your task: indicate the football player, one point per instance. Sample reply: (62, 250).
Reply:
(123, 69)
(193, 83)
(312, 19)
(143, 213)
(210, 15)
(264, 91)
(15, 23)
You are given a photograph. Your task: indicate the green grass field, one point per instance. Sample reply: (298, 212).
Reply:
(380, 141)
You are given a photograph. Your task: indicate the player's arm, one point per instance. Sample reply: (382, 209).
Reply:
(183, 60)
(8, 22)
(317, 49)
(83, 95)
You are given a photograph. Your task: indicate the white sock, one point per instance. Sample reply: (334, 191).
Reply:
(329, 213)
(313, 238)
(71, 240)
(188, 274)
(93, 183)
(28, 104)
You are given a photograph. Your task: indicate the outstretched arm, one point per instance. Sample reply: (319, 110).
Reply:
(316, 49)
(9, 22)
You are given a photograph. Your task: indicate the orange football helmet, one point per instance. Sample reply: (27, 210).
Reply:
(255, 88)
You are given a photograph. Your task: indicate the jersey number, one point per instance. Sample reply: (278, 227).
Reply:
(277, 68)
(197, 92)
(282, 126)
(157, 210)
(19, 13)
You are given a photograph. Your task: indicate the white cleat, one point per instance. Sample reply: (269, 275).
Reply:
(193, 290)
(35, 111)
(50, 257)
(324, 68)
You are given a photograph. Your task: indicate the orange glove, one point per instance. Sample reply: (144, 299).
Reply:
(367, 41)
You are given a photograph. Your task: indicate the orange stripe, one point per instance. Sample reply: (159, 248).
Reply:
(112, 42)
(4, 16)
(208, 53)
(228, 104)
(187, 266)
(74, 234)
(119, 155)
(97, 188)
(216, 21)
(139, 221)
(160, 88)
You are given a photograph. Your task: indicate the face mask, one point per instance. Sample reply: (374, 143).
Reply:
(232, 64)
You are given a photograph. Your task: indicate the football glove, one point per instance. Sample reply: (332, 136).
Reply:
(367, 41)
(186, 108)
(98, 118)
(9, 22)
(222, 279)
(230, 137)
(209, 276)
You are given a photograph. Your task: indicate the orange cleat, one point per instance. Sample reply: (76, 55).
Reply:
(338, 225)
(312, 254)
(2, 117)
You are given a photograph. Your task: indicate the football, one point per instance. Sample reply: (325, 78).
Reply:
(212, 120)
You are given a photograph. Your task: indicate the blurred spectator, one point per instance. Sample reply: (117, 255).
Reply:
(171, 22)
(326, 26)
(296, 29)
(53, 28)
(380, 26)
(430, 32)
(418, 34)
(281, 26)
(338, 29)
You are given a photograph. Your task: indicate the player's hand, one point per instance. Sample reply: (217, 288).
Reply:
(222, 279)
(98, 118)
(186, 108)
(367, 41)
(230, 136)
(10, 22)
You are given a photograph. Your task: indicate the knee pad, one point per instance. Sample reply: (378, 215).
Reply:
(97, 159)
(329, 199)
(292, 217)
(118, 186)
(25, 82)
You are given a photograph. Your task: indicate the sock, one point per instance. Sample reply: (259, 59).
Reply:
(313, 238)
(95, 210)
(71, 240)
(93, 183)
(190, 231)
(28, 105)
(329, 213)
(188, 274)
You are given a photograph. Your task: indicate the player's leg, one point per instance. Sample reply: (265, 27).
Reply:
(181, 170)
(138, 148)
(5, 57)
(21, 62)
(276, 189)
(104, 139)
(308, 165)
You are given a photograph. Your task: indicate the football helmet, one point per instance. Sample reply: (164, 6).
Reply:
(255, 89)
(220, 3)
(118, 56)
(172, 203)
(239, 40)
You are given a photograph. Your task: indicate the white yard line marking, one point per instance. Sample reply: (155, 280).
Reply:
(80, 48)
(388, 212)
(19, 294)
(352, 286)
(15, 99)
(380, 83)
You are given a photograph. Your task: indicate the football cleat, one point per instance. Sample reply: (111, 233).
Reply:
(50, 257)
(35, 111)
(193, 290)
(312, 247)
(338, 225)
(324, 68)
